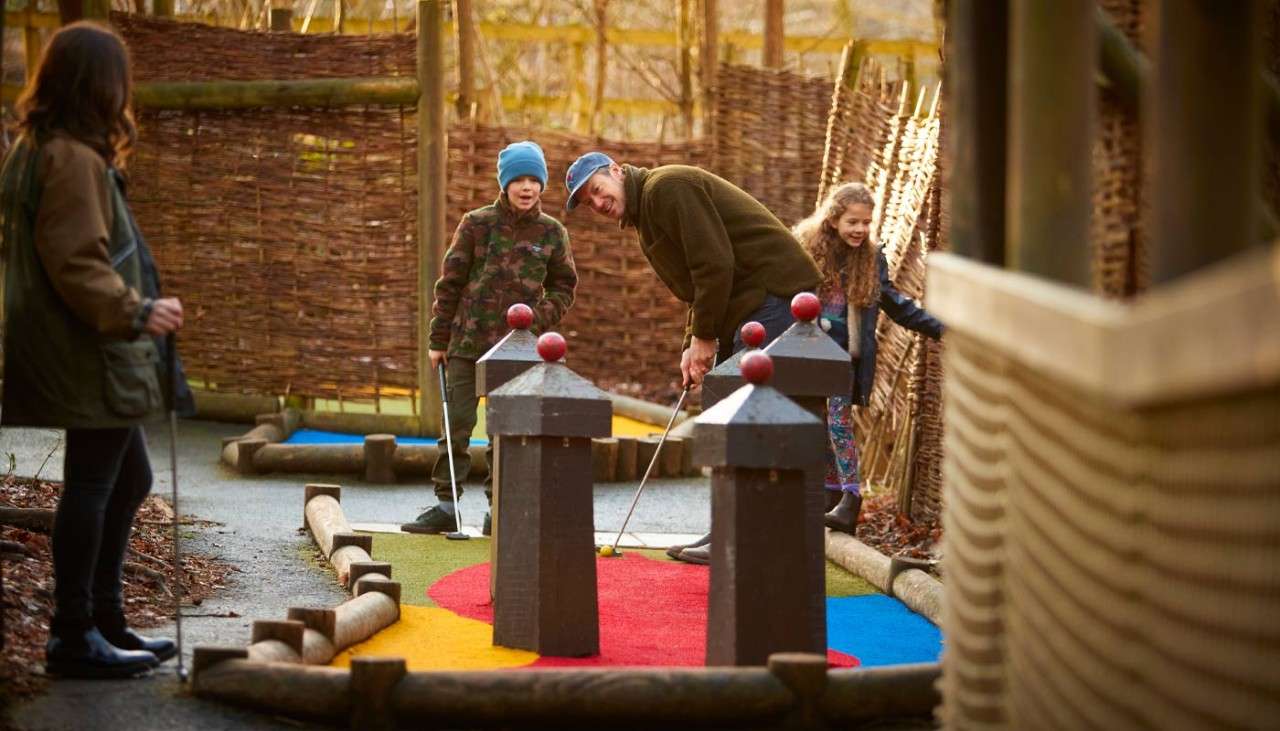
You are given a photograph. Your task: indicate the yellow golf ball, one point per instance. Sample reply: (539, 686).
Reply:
(606, 551)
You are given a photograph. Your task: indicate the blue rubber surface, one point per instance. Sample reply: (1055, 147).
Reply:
(315, 436)
(880, 630)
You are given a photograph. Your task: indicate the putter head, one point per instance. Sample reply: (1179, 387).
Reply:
(182, 674)
(457, 536)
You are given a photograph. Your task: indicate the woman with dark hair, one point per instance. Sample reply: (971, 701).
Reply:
(82, 314)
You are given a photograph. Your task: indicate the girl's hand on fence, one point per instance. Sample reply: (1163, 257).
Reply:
(438, 358)
(166, 317)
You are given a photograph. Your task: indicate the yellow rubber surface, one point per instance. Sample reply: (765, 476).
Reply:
(431, 638)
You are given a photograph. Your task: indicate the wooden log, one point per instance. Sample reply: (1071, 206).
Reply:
(416, 460)
(646, 448)
(671, 458)
(774, 33)
(325, 519)
(274, 651)
(640, 410)
(860, 695)
(287, 421)
(917, 589)
(373, 679)
(627, 462)
(298, 690)
(379, 452)
(314, 489)
(350, 423)
(806, 675)
(358, 619)
(378, 583)
(317, 638)
(287, 631)
(233, 407)
(206, 656)
(246, 451)
(358, 569)
(310, 458)
(604, 459)
(652, 698)
(40, 519)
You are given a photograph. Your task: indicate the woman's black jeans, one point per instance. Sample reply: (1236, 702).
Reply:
(107, 475)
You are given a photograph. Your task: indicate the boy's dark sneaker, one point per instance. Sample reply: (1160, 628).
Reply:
(432, 521)
(89, 655)
(488, 524)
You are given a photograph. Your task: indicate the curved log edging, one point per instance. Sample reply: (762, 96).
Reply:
(794, 691)
(899, 578)
(383, 460)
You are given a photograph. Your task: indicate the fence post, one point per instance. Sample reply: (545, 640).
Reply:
(433, 152)
(1052, 113)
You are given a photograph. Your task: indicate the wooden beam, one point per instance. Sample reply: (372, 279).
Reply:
(433, 150)
(464, 19)
(977, 108)
(774, 33)
(1052, 116)
(601, 9)
(281, 20)
(709, 61)
(391, 90)
(685, 52)
(1202, 124)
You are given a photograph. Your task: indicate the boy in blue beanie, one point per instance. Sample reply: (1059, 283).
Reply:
(505, 253)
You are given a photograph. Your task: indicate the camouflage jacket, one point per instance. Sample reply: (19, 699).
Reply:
(499, 257)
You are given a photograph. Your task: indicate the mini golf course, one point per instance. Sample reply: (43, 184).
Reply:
(652, 613)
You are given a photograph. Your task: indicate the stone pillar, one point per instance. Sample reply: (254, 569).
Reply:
(512, 355)
(763, 449)
(808, 366)
(545, 598)
(725, 378)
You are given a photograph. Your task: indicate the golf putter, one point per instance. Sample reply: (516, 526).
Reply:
(612, 550)
(171, 359)
(457, 535)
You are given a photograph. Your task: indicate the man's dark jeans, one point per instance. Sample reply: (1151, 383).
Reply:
(774, 313)
(107, 475)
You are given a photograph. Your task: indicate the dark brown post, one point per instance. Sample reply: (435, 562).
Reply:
(708, 62)
(282, 19)
(725, 378)
(1052, 109)
(977, 71)
(433, 153)
(808, 368)
(546, 566)
(465, 19)
(512, 355)
(774, 33)
(763, 450)
(1202, 126)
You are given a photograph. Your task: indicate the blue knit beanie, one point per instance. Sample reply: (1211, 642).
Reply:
(521, 158)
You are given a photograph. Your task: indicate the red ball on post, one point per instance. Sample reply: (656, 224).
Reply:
(519, 316)
(551, 346)
(753, 334)
(805, 306)
(757, 368)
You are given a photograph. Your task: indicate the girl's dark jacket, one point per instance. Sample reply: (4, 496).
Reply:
(78, 282)
(902, 310)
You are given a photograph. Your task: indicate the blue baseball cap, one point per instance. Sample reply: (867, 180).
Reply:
(581, 171)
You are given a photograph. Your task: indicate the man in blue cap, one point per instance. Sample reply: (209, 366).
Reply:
(505, 253)
(714, 246)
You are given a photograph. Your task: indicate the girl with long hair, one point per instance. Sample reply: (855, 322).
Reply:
(82, 315)
(855, 288)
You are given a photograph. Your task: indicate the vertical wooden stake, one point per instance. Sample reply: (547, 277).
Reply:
(1052, 114)
(774, 33)
(465, 20)
(1202, 124)
(432, 179)
(708, 62)
(684, 32)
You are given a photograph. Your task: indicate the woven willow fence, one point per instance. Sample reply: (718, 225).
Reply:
(879, 135)
(291, 232)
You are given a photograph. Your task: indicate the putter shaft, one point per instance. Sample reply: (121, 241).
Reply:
(648, 470)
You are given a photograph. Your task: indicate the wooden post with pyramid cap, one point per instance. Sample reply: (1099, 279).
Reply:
(761, 447)
(809, 367)
(514, 354)
(726, 378)
(545, 598)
